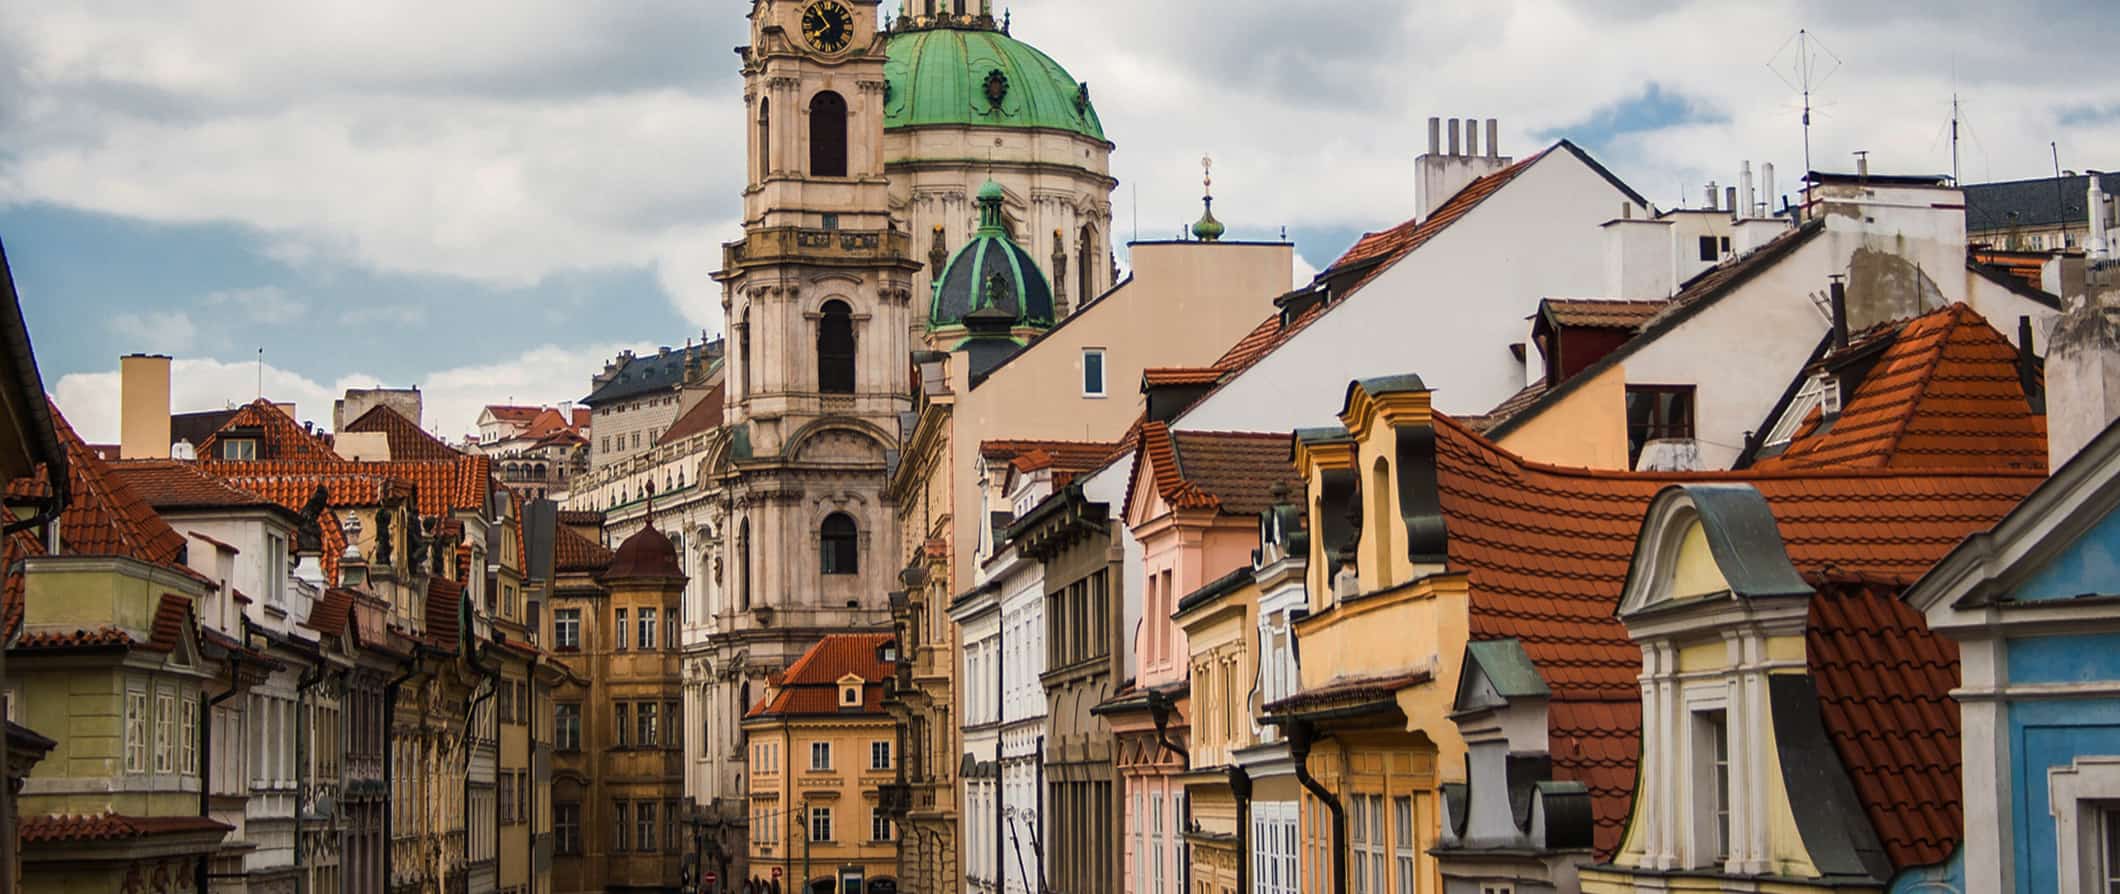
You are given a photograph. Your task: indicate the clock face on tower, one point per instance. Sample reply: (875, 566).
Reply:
(828, 25)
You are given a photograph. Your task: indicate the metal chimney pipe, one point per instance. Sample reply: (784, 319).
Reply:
(1435, 135)
(1862, 164)
(1744, 180)
(1730, 200)
(1766, 191)
(1494, 140)
(1711, 193)
(1472, 137)
(1453, 136)
(1839, 293)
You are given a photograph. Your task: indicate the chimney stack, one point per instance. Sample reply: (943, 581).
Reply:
(1453, 138)
(1839, 293)
(1472, 136)
(1766, 188)
(1711, 192)
(2097, 245)
(1744, 183)
(1730, 202)
(1448, 166)
(143, 406)
(2083, 367)
(1435, 135)
(1494, 138)
(1862, 164)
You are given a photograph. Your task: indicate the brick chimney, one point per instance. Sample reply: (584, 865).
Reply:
(2083, 367)
(143, 406)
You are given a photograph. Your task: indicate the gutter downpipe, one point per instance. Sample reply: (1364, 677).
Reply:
(471, 716)
(1240, 788)
(1159, 708)
(235, 672)
(1299, 742)
(389, 719)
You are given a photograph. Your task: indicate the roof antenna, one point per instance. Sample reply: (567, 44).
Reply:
(261, 373)
(1809, 66)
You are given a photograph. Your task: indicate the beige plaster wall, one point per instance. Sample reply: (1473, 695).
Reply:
(1587, 428)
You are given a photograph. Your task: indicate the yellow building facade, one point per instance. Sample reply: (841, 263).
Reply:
(822, 753)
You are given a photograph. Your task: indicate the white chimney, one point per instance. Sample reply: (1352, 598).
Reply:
(1472, 136)
(1766, 188)
(1449, 167)
(2097, 246)
(1435, 135)
(1638, 257)
(1744, 189)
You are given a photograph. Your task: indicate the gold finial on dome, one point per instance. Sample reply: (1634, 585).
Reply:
(1208, 229)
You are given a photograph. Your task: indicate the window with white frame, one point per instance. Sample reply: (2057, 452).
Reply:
(165, 731)
(1402, 842)
(188, 736)
(135, 731)
(1273, 852)
(1366, 836)
(820, 824)
(820, 755)
(1711, 787)
(1155, 841)
(647, 629)
(879, 825)
(567, 629)
(879, 757)
(1093, 372)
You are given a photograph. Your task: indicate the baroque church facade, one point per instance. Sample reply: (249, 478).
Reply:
(878, 149)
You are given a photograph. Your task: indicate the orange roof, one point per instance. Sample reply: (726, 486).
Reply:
(548, 422)
(282, 437)
(444, 598)
(580, 417)
(2027, 266)
(1233, 472)
(811, 684)
(1945, 394)
(513, 413)
(1388, 246)
(573, 552)
(1884, 690)
(704, 416)
(406, 439)
(173, 484)
(110, 827)
(104, 516)
(1179, 375)
(1547, 550)
(441, 487)
(1602, 313)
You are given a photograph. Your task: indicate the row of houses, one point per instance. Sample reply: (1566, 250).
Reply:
(1548, 541)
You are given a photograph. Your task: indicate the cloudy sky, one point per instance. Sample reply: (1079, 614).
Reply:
(486, 198)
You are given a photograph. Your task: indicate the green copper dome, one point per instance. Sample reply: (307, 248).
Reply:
(983, 78)
(991, 276)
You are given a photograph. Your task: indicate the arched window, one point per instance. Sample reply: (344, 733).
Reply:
(835, 349)
(828, 135)
(743, 566)
(1085, 263)
(1380, 513)
(765, 138)
(840, 552)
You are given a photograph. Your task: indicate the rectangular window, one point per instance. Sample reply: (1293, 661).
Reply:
(165, 731)
(1140, 816)
(1707, 248)
(619, 827)
(820, 824)
(567, 828)
(879, 825)
(645, 812)
(647, 629)
(239, 448)
(618, 635)
(567, 726)
(620, 714)
(1655, 413)
(1711, 789)
(1402, 842)
(2109, 851)
(276, 569)
(188, 737)
(820, 755)
(1155, 841)
(1092, 372)
(670, 639)
(135, 731)
(879, 757)
(644, 714)
(567, 629)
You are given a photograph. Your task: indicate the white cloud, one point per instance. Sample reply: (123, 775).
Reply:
(394, 314)
(452, 397)
(156, 331)
(261, 304)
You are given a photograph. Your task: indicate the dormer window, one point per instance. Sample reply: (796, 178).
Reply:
(850, 691)
(239, 448)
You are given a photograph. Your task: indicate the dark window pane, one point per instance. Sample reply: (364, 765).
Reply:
(835, 349)
(841, 554)
(828, 135)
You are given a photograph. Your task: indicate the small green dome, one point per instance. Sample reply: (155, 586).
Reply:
(991, 276)
(1208, 229)
(968, 75)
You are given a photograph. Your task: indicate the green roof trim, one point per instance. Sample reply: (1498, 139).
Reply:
(980, 78)
(1508, 669)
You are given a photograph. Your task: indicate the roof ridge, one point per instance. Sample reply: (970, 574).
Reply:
(1933, 353)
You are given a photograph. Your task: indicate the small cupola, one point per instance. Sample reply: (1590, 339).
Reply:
(993, 274)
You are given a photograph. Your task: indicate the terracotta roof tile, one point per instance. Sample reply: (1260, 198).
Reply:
(1233, 472)
(704, 416)
(58, 640)
(444, 598)
(407, 440)
(1603, 313)
(573, 552)
(811, 684)
(440, 487)
(333, 612)
(1348, 690)
(282, 437)
(1180, 375)
(110, 827)
(172, 484)
(172, 616)
(1388, 246)
(1945, 394)
(1066, 459)
(1547, 549)
(1884, 683)
(104, 516)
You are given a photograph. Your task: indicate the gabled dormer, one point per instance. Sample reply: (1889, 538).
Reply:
(1510, 801)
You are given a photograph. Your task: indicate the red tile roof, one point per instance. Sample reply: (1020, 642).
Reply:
(441, 488)
(573, 552)
(1945, 394)
(333, 612)
(110, 827)
(580, 417)
(104, 516)
(282, 437)
(57, 640)
(171, 484)
(405, 437)
(704, 416)
(172, 617)
(811, 684)
(548, 422)
(1547, 549)
(1066, 459)
(1389, 246)
(1884, 684)
(444, 598)
(513, 413)
(1233, 472)
(1603, 313)
(1180, 375)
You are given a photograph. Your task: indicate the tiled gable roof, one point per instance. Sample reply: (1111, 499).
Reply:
(443, 599)
(1386, 247)
(104, 516)
(1233, 472)
(573, 552)
(811, 684)
(704, 416)
(110, 827)
(1946, 393)
(282, 437)
(1547, 549)
(440, 487)
(1179, 375)
(548, 422)
(1603, 313)
(519, 415)
(1067, 459)
(173, 484)
(406, 439)
(1884, 691)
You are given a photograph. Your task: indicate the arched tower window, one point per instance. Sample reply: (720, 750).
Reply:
(743, 566)
(765, 138)
(837, 536)
(1085, 263)
(1380, 513)
(828, 135)
(835, 349)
